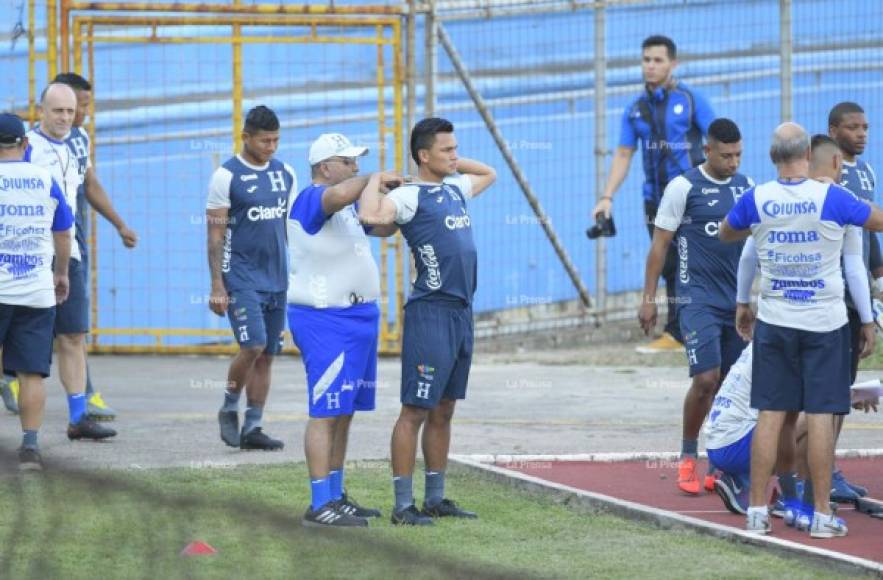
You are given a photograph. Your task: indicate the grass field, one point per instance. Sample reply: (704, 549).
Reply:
(114, 524)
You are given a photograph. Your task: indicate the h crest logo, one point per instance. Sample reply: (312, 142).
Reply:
(865, 180)
(737, 190)
(691, 354)
(277, 182)
(78, 146)
(332, 400)
(423, 390)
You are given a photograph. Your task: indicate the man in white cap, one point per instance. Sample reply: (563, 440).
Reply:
(333, 316)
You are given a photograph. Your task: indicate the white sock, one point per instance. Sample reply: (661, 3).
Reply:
(757, 510)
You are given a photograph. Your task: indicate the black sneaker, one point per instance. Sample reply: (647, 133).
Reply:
(349, 506)
(447, 509)
(229, 424)
(257, 439)
(410, 516)
(86, 428)
(29, 459)
(328, 516)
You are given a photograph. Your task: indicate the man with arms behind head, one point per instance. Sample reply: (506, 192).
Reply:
(247, 204)
(692, 208)
(438, 329)
(47, 148)
(333, 290)
(801, 339)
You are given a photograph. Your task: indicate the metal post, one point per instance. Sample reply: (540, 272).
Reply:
(786, 49)
(600, 147)
(51, 39)
(32, 64)
(411, 71)
(237, 85)
(513, 165)
(430, 57)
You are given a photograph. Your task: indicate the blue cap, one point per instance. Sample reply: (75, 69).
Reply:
(11, 129)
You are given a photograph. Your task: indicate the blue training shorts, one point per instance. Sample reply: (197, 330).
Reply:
(799, 370)
(735, 458)
(257, 319)
(339, 350)
(436, 352)
(26, 338)
(710, 338)
(72, 315)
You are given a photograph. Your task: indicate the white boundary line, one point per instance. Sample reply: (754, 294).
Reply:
(662, 518)
(627, 456)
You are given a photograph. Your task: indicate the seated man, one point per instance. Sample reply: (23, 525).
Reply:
(728, 439)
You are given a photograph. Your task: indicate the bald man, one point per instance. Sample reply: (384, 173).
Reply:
(47, 148)
(801, 337)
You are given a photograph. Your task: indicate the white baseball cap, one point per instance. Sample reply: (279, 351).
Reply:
(333, 145)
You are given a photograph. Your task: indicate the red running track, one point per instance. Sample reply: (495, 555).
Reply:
(652, 483)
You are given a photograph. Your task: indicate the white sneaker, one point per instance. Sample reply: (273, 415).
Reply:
(758, 522)
(827, 526)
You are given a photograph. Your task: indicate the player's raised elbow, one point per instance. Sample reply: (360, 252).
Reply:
(375, 217)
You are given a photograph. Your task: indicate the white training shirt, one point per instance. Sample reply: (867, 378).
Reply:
(64, 167)
(798, 229)
(331, 265)
(32, 206)
(731, 416)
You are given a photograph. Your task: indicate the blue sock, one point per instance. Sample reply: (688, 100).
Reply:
(76, 405)
(788, 483)
(231, 401)
(253, 417)
(690, 448)
(435, 488)
(321, 489)
(404, 490)
(29, 439)
(90, 390)
(336, 478)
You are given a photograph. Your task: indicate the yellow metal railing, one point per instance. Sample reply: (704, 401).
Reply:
(80, 31)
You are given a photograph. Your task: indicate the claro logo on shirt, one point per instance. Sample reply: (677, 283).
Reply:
(260, 213)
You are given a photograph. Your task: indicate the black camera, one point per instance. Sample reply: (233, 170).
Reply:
(603, 227)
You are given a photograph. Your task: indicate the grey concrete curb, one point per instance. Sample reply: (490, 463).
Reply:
(658, 517)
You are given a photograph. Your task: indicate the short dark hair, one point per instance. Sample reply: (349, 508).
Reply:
(73, 80)
(261, 118)
(820, 139)
(724, 130)
(840, 110)
(660, 40)
(424, 132)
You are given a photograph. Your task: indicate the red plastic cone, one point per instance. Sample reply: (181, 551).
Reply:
(198, 548)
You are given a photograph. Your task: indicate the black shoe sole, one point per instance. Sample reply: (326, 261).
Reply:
(78, 437)
(398, 522)
(259, 448)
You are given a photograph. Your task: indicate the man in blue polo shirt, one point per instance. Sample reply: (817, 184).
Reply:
(669, 120)
(35, 221)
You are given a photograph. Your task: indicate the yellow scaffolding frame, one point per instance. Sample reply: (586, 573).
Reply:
(238, 16)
